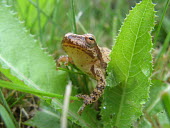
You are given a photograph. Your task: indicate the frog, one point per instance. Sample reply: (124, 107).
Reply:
(86, 55)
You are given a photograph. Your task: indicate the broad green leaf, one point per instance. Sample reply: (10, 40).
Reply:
(154, 105)
(6, 117)
(12, 78)
(144, 123)
(26, 60)
(158, 120)
(166, 103)
(23, 55)
(130, 69)
(163, 120)
(46, 117)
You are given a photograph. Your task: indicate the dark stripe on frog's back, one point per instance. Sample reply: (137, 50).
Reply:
(79, 48)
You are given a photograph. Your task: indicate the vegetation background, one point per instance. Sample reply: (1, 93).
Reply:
(50, 20)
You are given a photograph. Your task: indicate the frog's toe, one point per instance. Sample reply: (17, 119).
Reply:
(81, 109)
(82, 96)
(87, 98)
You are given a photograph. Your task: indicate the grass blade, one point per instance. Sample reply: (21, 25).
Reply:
(160, 24)
(73, 16)
(26, 89)
(5, 105)
(6, 117)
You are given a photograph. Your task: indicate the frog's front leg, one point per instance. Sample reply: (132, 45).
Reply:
(97, 92)
(64, 60)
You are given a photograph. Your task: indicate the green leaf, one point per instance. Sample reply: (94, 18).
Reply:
(46, 117)
(12, 78)
(30, 9)
(6, 117)
(166, 103)
(158, 120)
(163, 120)
(7, 108)
(130, 69)
(23, 56)
(26, 60)
(154, 105)
(144, 123)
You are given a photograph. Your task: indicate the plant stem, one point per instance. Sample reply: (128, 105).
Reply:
(73, 16)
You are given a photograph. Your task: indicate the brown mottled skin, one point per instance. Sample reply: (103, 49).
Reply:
(84, 52)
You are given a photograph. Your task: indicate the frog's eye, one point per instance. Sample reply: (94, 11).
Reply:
(91, 38)
(90, 41)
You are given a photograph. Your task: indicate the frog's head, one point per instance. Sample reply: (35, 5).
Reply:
(83, 49)
(86, 43)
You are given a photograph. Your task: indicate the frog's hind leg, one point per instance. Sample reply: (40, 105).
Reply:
(101, 84)
(87, 100)
(97, 92)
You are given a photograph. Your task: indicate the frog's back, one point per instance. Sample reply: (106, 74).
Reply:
(105, 54)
